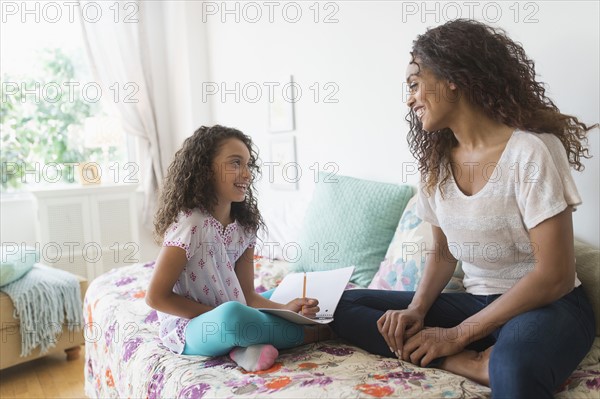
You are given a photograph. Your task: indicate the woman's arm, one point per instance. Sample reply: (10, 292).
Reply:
(244, 269)
(160, 295)
(398, 325)
(439, 268)
(552, 277)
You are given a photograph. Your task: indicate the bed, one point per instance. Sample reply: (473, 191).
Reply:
(125, 358)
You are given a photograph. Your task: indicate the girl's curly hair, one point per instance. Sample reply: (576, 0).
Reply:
(494, 74)
(189, 180)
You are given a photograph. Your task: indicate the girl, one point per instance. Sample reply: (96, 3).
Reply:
(203, 282)
(494, 155)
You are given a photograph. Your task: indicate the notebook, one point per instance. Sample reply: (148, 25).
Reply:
(326, 286)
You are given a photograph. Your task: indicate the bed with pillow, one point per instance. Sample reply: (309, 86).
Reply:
(353, 222)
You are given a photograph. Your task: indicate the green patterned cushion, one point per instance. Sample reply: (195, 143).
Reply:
(404, 263)
(350, 222)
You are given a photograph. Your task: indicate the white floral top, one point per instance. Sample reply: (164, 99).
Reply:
(209, 275)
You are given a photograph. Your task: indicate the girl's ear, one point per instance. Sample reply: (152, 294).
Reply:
(452, 86)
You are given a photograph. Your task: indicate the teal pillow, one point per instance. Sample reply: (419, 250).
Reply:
(350, 222)
(16, 261)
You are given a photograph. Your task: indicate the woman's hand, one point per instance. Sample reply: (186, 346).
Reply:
(305, 306)
(432, 343)
(397, 325)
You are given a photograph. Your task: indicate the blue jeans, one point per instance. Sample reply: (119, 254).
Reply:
(232, 324)
(534, 353)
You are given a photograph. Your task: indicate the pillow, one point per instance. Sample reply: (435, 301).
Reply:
(15, 262)
(283, 223)
(404, 262)
(588, 272)
(350, 222)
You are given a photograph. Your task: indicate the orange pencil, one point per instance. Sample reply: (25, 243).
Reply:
(304, 287)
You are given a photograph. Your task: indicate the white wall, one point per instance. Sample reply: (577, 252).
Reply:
(365, 54)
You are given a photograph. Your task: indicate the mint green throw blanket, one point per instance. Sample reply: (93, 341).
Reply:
(45, 298)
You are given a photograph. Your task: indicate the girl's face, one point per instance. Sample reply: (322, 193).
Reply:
(431, 99)
(232, 175)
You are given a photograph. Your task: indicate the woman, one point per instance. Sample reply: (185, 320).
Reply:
(494, 154)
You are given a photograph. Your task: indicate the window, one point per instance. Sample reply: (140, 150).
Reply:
(53, 119)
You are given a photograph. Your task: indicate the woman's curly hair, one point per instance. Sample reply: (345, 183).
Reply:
(494, 74)
(189, 181)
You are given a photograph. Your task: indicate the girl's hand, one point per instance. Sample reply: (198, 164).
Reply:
(397, 325)
(305, 306)
(431, 343)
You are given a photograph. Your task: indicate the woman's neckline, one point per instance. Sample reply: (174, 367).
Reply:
(487, 183)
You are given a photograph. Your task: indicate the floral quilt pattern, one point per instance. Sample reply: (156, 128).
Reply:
(125, 358)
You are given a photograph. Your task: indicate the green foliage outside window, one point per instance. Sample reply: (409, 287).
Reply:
(42, 125)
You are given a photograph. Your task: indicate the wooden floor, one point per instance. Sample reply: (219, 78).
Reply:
(49, 377)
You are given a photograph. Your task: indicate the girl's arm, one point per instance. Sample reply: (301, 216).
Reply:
(552, 278)
(160, 295)
(244, 269)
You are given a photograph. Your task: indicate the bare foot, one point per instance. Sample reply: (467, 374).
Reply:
(470, 364)
(317, 333)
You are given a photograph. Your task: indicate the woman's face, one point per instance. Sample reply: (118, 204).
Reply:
(431, 99)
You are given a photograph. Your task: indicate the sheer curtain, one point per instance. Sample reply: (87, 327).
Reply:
(119, 46)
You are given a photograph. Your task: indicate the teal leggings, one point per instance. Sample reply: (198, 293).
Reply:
(232, 324)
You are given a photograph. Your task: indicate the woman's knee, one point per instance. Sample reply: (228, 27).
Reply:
(353, 295)
(512, 361)
(364, 296)
(515, 373)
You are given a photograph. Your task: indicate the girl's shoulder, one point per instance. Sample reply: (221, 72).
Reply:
(192, 216)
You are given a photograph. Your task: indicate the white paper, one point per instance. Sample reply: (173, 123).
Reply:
(325, 286)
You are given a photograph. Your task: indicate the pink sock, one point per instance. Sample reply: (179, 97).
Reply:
(254, 357)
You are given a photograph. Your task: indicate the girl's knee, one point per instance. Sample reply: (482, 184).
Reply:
(231, 306)
(216, 329)
(231, 310)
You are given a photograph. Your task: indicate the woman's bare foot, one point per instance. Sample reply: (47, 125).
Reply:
(470, 364)
(318, 333)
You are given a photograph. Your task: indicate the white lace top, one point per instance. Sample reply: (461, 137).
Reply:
(489, 231)
(209, 275)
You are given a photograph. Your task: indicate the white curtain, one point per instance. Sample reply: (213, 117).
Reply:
(119, 48)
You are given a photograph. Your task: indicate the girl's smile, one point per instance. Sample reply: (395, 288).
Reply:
(232, 171)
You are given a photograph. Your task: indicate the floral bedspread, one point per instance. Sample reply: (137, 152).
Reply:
(125, 358)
